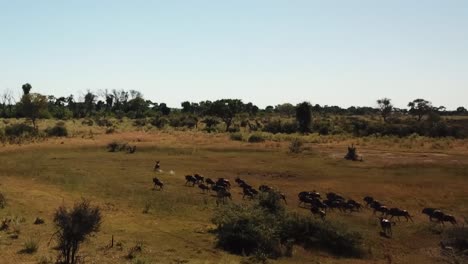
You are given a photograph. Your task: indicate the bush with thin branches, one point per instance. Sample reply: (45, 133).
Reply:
(73, 227)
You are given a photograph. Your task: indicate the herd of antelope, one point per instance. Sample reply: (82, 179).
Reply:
(311, 199)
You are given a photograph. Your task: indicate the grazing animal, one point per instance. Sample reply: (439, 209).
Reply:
(429, 212)
(382, 209)
(158, 183)
(209, 182)
(369, 200)
(190, 179)
(397, 212)
(375, 204)
(222, 195)
(442, 217)
(199, 178)
(203, 187)
(283, 197)
(317, 211)
(308, 197)
(248, 192)
(244, 185)
(223, 181)
(386, 226)
(265, 188)
(157, 166)
(218, 188)
(239, 181)
(334, 197)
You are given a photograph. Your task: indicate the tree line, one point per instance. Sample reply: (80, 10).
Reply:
(283, 118)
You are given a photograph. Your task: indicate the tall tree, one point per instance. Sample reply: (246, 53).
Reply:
(34, 106)
(89, 101)
(226, 109)
(26, 88)
(385, 107)
(286, 109)
(420, 107)
(304, 117)
(462, 110)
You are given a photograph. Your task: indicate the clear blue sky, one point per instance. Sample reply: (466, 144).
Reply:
(265, 51)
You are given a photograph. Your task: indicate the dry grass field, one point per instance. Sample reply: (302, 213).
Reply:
(38, 177)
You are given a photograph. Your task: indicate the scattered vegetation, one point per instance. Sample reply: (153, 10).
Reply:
(59, 130)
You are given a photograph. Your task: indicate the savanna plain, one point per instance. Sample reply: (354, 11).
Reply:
(174, 225)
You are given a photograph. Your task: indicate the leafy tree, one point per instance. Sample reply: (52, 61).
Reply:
(419, 108)
(73, 227)
(164, 109)
(33, 106)
(226, 109)
(304, 117)
(385, 107)
(269, 109)
(138, 105)
(462, 110)
(186, 107)
(89, 101)
(286, 109)
(26, 88)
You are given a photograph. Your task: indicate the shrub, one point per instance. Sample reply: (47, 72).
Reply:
(73, 227)
(87, 122)
(265, 228)
(256, 138)
(457, 238)
(139, 122)
(59, 130)
(113, 146)
(17, 130)
(30, 247)
(104, 122)
(236, 136)
(295, 146)
(159, 122)
(110, 130)
(210, 124)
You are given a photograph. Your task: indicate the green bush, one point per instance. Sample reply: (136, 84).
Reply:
(87, 122)
(159, 122)
(280, 126)
(17, 130)
(266, 228)
(256, 138)
(59, 130)
(139, 122)
(104, 122)
(236, 136)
